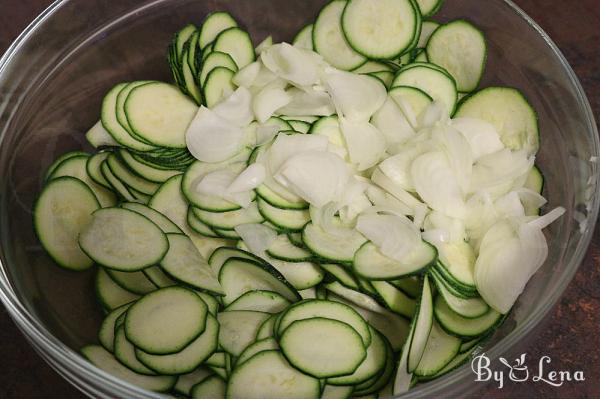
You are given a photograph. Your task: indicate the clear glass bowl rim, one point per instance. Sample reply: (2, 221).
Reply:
(80, 372)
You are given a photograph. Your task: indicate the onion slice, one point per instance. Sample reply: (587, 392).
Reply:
(211, 138)
(257, 237)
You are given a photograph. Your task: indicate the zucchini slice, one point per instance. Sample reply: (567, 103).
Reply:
(104, 360)
(323, 348)
(166, 321)
(268, 375)
(123, 240)
(62, 211)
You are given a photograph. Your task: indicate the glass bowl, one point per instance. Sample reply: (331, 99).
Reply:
(54, 76)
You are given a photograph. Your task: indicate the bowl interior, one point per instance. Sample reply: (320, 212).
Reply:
(56, 81)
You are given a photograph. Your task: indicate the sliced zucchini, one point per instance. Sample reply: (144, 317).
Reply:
(230, 219)
(123, 240)
(141, 169)
(266, 329)
(190, 357)
(260, 301)
(93, 170)
(466, 307)
(186, 382)
(292, 220)
(329, 41)
(106, 334)
(463, 327)
(341, 274)
(429, 7)
(237, 43)
(98, 137)
(238, 329)
(381, 30)
(461, 49)
(303, 38)
(128, 178)
(108, 116)
(440, 349)
(336, 248)
(223, 254)
(277, 201)
(238, 276)
(104, 360)
(125, 353)
(213, 60)
(323, 348)
(160, 114)
(76, 166)
(110, 294)
(184, 263)
(214, 24)
(370, 367)
(433, 80)
(283, 249)
(117, 185)
(267, 375)
(158, 277)
(156, 217)
(267, 344)
(166, 321)
(510, 113)
(213, 387)
(135, 282)
(420, 328)
(311, 308)
(218, 86)
(396, 300)
(371, 264)
(62, 211)
(169, 201)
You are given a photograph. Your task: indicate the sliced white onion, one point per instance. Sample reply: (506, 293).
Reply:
(454, 229)
(319, 177)
(481, 216)
(544, 221)
(498, 171)
(299, 66)
(380, 198)
(246, 76)
(390, 121)
(237, 108)
(395, 236)
(268, 100)
(285, 146)
(437, 185)
(397, 167)
(366, 145)
(458, 151)
(530, 198)
(252, 177)
(507, 260)
(482, 136)
(217, 184)
(434, 113)
(211, 138)
(265, 44)
(257, 237)
(395, 190)
(309, 102)
(356, 97)
(265, 133)
(510, 205)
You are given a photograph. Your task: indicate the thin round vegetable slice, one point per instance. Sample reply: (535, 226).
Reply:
(62, 211)
(166, 321)
(267, 375)
(380, 30)
(160, 114)
(123, 240)
(322, 347)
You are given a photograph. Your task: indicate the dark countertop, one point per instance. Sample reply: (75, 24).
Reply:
(572, 335)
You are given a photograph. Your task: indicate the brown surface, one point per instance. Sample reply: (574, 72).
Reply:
(572, 335)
